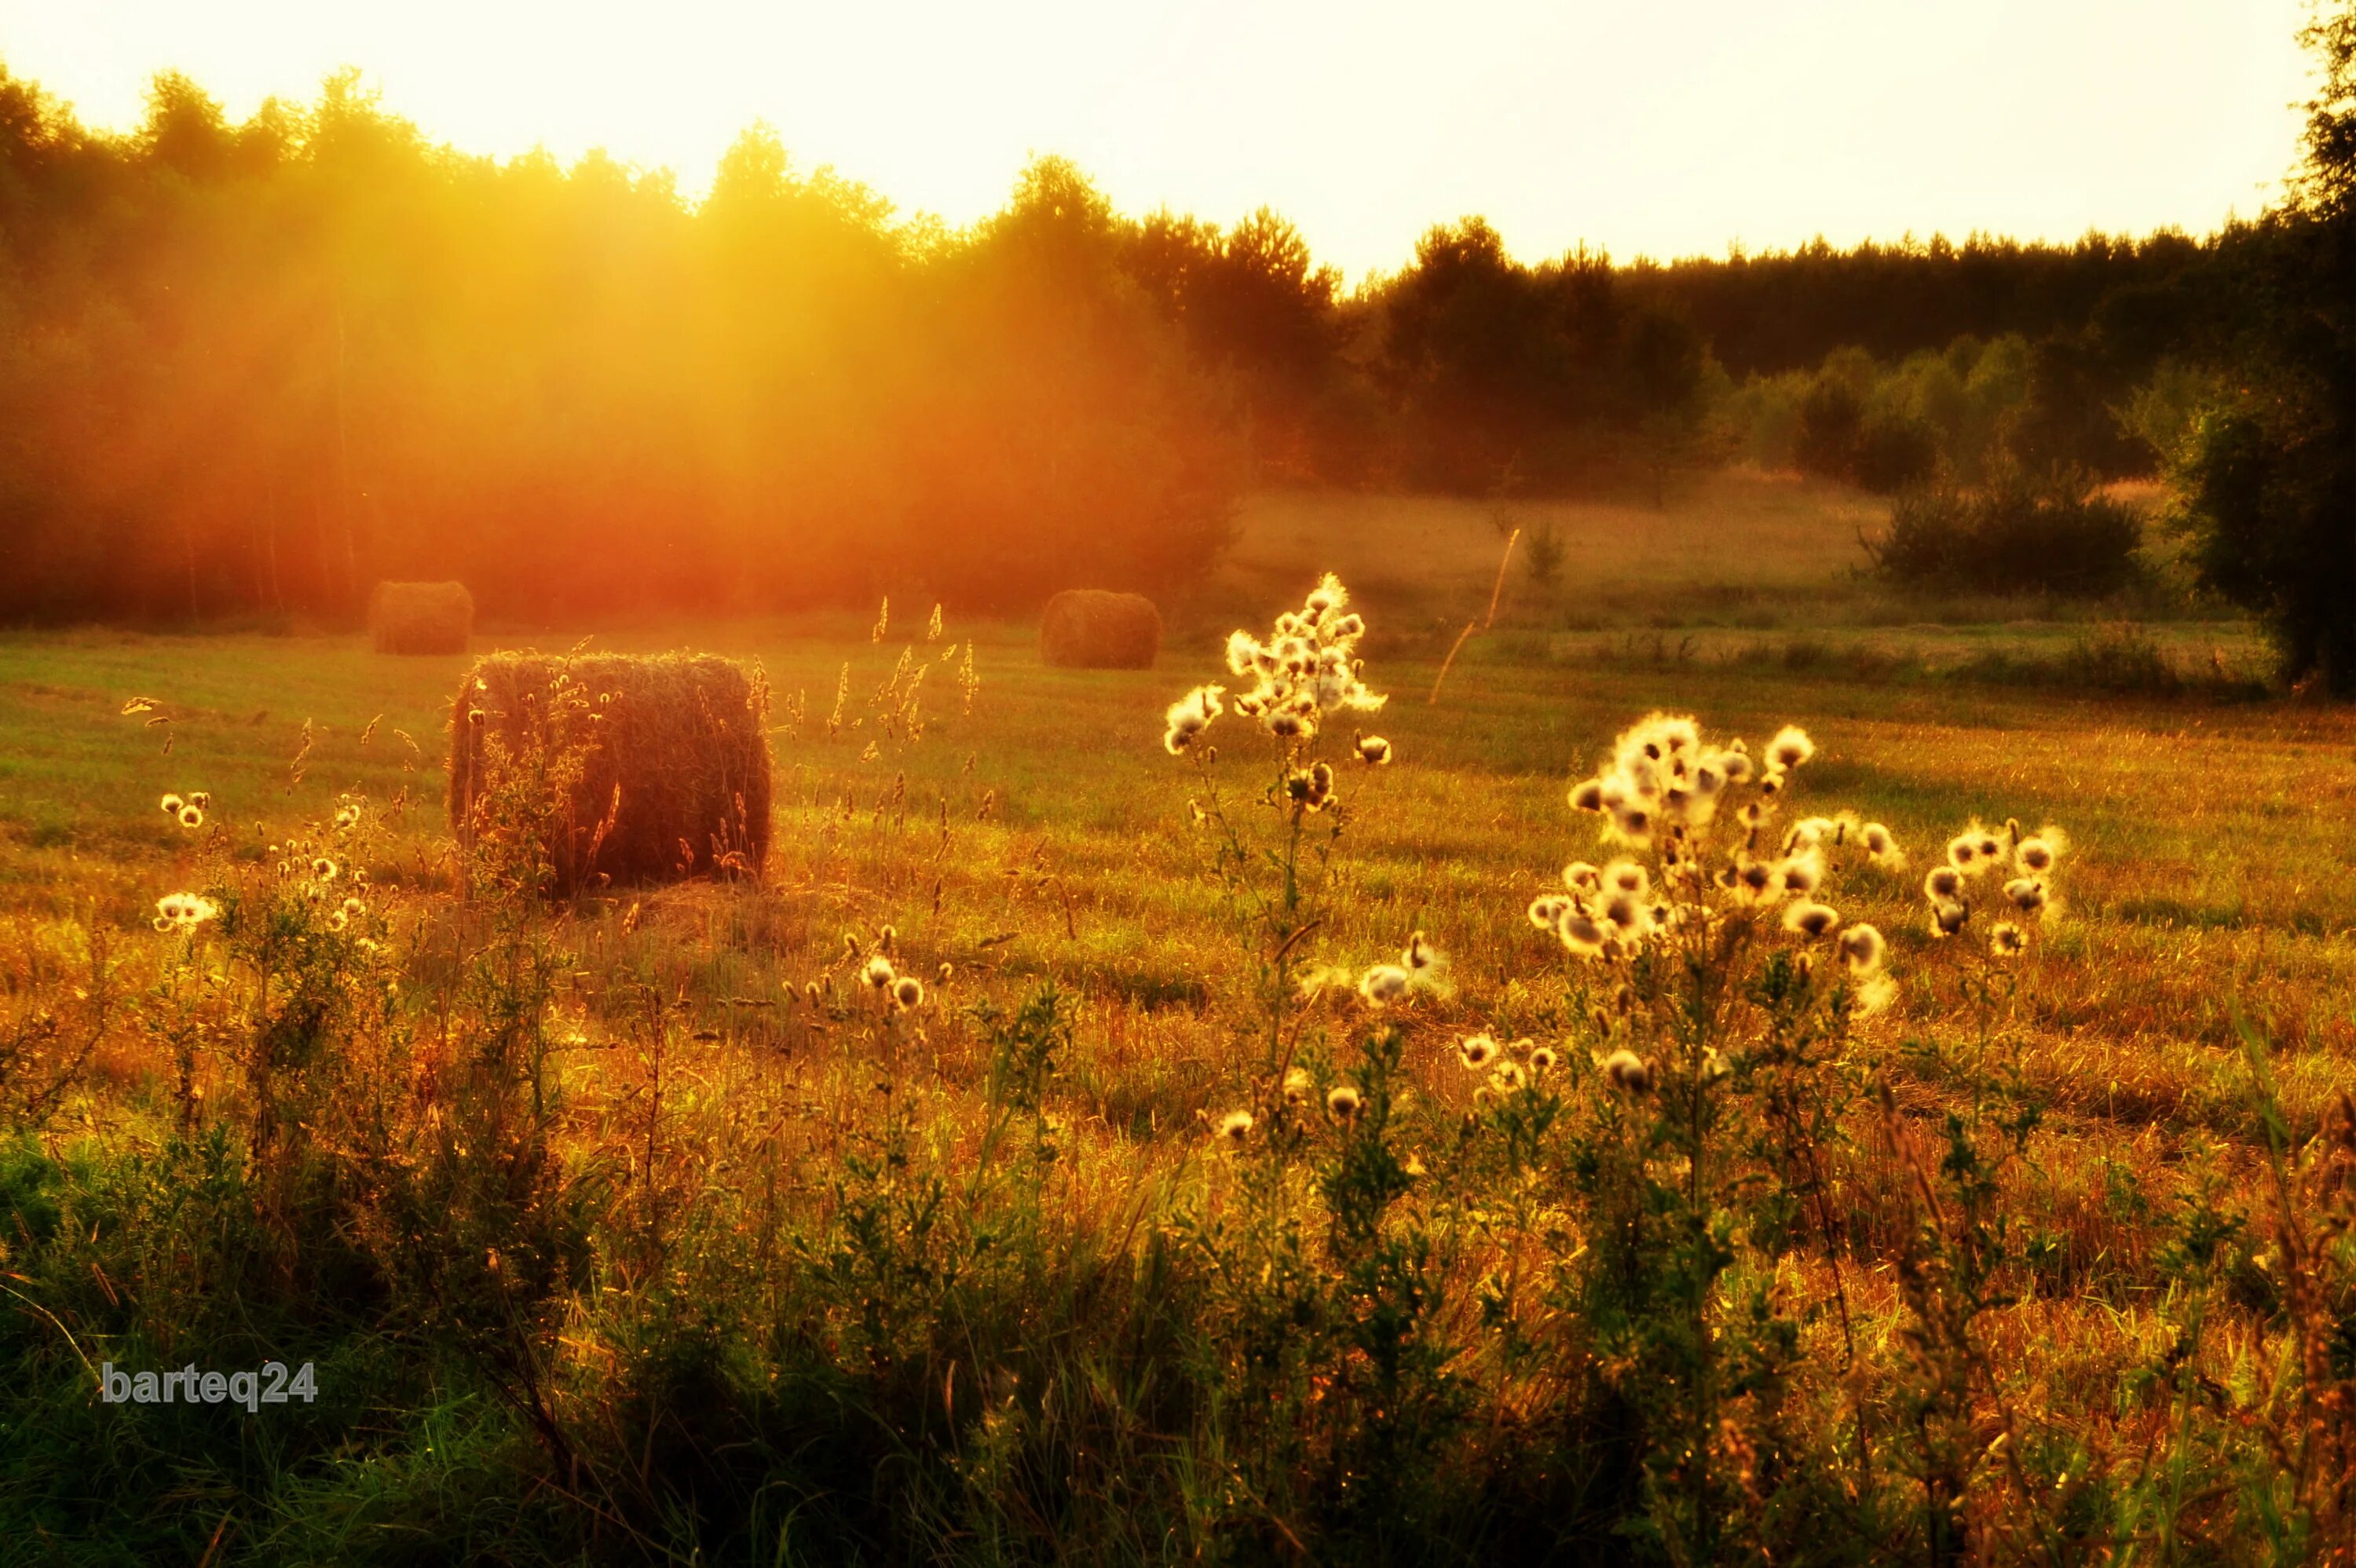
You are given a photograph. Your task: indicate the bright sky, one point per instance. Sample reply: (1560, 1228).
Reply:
(1666, 129)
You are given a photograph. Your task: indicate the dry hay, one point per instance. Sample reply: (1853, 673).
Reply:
(421, 617)
(1089, 628)
(675, 778)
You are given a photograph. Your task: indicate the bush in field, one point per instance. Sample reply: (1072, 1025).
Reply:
(1895, 452)
(1831, 420)
(2015, 535)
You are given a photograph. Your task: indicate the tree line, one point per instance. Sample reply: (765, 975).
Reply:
(247, 368)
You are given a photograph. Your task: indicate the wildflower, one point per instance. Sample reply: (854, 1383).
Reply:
(1631, 824)
(1421, 956)
(1510, 1075)
(1297, 1085)
(1190, 716)
(1946, 919)
(1234, 1128)
(949, 973)
(1942, 885)
(1802, 874)
(337, 919)
(1790, 748)
(1771, 782)
(1757, 881)
(908, 992)
(1975, 850)
(192, 816)
(2028, 894)
(1320, 786)
(322, 869)
(1627, 877)
(1628, 916)
(1628, 1073)
(1810, 919)
(1586, 795)
(1542, 1059)
(353, 906)
(1581, 934)
(1243, 652)
(879, 973)
(2035, 854)
(184, 911)
(1373, 751)
(1882, 845)
(1809, 832)
(1383, 984)
(2006, 941)
(171, 804)
(1581, 878)
(1476, 1051)
(1863, 947)
(1341, 1103)
(1546, 910)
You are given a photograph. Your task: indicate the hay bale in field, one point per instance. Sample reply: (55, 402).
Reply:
(674, 780)
(1089, 628)
(421, 617)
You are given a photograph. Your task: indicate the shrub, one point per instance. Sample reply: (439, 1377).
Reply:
(2015, 535)
(1832, 419)
(1894, 451)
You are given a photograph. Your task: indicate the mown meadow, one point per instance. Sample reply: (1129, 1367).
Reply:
(1157, 1220)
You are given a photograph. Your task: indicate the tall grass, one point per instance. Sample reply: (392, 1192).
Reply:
(1685, 1224)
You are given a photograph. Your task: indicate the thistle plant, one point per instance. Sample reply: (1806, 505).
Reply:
(1304, 675)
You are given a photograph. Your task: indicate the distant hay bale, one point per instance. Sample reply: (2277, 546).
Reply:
(1089, 628)
(675, 780)
(421, 617)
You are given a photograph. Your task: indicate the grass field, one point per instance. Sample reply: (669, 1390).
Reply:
(832, 1289)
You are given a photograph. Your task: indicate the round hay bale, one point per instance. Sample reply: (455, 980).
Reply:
(421, 617)
(1090, 628)
(675, 780)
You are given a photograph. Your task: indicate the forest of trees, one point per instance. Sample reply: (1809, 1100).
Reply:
(248, 369)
